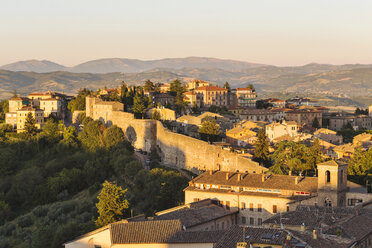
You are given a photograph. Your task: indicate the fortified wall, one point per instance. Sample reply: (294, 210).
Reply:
(176, 150)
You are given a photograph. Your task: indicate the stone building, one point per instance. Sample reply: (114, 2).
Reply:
(258, 115)
(356, 121)
(304, 117)
(259, 196)
(329, 136)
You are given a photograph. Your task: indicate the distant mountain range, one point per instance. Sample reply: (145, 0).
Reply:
(129, 65)
(345, 81)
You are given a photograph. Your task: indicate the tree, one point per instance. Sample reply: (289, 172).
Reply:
(315, 123)
(177, 89)
(111, 204)
(149, 86)
(70, 137)
(30, 127)
(139, 105)
(4, 108)
(92, 135)
(51, 131)
(250, 86)
(262, 147)
(4, 212)
(155, 115)
(113, 136)
(79, 102)
(227, 85)
(209, 129)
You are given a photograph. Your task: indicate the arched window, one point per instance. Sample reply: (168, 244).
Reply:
(342, 176)
(328, 176)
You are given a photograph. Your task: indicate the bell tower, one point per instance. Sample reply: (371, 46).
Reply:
(332, 183)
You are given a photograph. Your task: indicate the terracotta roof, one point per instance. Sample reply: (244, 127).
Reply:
(235, 234)
(278, 182)
(192, 216)
(28, 108)
(324, 130)
(345, 148)
(40, 94)
(49, 99)
(19, 99)
(210, 88)
(144, 231)
(159, 231)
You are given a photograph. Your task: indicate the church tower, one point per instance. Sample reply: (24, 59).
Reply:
(332, 183)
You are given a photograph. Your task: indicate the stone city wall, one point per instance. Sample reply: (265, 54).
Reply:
(176, 150)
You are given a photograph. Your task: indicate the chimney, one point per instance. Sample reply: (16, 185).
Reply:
(263, 177)
(210, 172)
(227, 176)
(290, 173)
(315, 235)
(296, 180)
(303, 227)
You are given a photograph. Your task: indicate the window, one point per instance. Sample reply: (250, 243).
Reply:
(342, 176)
(259, 208)
(251, 221)
(227, 205)
(223, 225)
(275, 209)
(196, 199)
(250, 206)
(218, 226)
(244, 220)
(259, 221)
(328, 177)
(288, 208)
(242, 205)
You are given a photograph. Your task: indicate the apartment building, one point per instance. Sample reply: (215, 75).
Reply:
(212, 95)
(243, 97)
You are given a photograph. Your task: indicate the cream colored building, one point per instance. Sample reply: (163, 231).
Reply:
(192, 99)
(36, 97)
(51, 106)
(277, 129)
(196, 84)
(22, 113)
(212, 95)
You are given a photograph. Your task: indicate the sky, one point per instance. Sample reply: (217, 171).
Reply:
(277, 32)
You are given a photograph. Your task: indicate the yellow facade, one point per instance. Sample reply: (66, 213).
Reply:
(22, 115)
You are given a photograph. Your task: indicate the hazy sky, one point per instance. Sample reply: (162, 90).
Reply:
(280, 32)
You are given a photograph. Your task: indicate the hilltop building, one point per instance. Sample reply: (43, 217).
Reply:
(196, 84)
(41, 105)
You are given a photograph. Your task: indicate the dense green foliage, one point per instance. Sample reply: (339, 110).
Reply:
(111, 204)
(209, 130)
(79, 102)
(4, 108)
(360, 163)
(177, 89)
(155, 115)
(149, 86)
(261, 154)
(49, 183)
(30, 125)
(296, 157)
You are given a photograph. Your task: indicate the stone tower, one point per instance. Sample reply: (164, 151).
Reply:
(332, 183)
